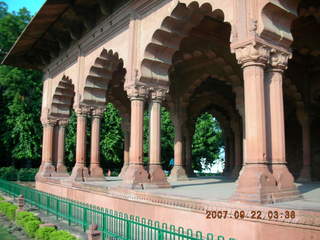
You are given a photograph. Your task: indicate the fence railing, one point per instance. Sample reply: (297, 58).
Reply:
(112, 224)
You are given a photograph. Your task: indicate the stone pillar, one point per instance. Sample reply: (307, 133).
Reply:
(235, 125)
(55, 145)
(256, 183)
(80, 171)
(136, 176)
(46, 168)
(304, 119)
(188, 136)
(61, 168)
(157, 176)
(96, 172)
(125, 125)
(178, 172)
(276, 130)
(239, 91)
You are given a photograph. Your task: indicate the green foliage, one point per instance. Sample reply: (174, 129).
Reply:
(8, 209)
(207, 140)
(23, 217)
(20, 99)
(9, 173)
(31, 227)
(111, 142)
(27, 174)
(1, 198)
(43, 233)
(61, 235)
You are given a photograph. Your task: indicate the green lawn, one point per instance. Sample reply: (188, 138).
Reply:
(4, 235)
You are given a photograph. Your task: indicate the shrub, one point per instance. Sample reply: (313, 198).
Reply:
(43, 233)
(8, 209)
(11, 212)
(9, 173)
(30, 227)
(23, 217)
(27, 174)
(61, 235)
(1, 198)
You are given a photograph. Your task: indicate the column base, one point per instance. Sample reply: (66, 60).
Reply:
(305, 174)
(157, 176)
(285, 183)
(61, 171)
(255, 185)
(235, 172)
(123, 170)
(96, 174)
(79, 173)
(178, 173)
(46, 170)
(190, 172)
(135, 177)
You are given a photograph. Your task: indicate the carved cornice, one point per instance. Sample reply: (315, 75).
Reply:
(137, 92)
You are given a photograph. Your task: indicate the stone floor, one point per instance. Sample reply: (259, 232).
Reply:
(221, 189)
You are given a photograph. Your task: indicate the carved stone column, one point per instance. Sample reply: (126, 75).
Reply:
(125, 125)
(157, 176)
(178, 172)
(136, 176)
(96, 172)
(304, 119)
(256, 183)
(46, 168)
(276, 131)
(61, 168)
(235, 125)
(80, 171)
(188, 149)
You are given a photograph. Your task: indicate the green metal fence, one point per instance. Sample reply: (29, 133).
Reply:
(112, 224)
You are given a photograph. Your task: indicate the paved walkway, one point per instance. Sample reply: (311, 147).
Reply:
(221, 189)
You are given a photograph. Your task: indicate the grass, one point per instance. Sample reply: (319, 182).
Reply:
(4, 235)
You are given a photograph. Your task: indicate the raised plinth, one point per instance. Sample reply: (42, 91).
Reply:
(96, 173)
(45, 170)
(61, 171)
(191, 212)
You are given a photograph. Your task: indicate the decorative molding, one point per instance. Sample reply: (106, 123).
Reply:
(98, 112)
(279, 59)
(83, 110)
(252, 53)
(137, 92)
(158, 94)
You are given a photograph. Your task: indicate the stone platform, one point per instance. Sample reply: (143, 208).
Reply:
(187, 204)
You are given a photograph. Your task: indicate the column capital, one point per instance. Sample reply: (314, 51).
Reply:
(137, 92)
(63, 122)
(49, 122)
(278, 60)
(83, 110)
(98, 112)
(158, 94)
(252, 53)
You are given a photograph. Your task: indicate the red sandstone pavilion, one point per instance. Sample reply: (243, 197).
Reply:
(254, 65)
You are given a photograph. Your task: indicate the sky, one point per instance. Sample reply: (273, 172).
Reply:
(32, 5)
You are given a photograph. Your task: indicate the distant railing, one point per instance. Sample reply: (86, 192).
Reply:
(112, 224)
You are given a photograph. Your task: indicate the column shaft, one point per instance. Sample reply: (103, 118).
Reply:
(80, 171)
(61, 168)
(96, 172)
(157, 176)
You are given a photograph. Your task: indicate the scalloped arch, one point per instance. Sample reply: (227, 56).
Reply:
(62, 99)
(166, 40)
(100, 74)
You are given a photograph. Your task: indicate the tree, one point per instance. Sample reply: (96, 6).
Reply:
(20, 98)
(207, 141)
